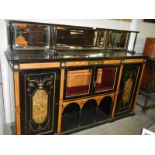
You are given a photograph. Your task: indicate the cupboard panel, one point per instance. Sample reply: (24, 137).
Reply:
(106, 78)
(38, 101)
(78, 82)
(128, 88)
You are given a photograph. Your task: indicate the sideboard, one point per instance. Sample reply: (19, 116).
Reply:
(60, 91)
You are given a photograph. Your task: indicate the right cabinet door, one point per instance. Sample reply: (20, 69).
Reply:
(106, 79)
(128, 88)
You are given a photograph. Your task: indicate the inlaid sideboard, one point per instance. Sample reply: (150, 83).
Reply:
(70, 90)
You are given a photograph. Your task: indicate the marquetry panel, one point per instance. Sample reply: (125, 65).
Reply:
(39, 65)
(97, 62)
(77, 63)
(111, 62)
(133, 61)
(38, 100)
(128, 87)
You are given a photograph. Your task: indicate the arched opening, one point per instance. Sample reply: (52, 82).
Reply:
(70, 117)
(104, 109)
(88, 113)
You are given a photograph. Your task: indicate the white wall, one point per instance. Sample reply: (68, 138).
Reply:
(87, 22)
(146, 30)
(1, 107)
(5, 77)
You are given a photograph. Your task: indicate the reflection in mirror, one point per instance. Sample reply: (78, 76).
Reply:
(70, 36)
(100, 38)
(28, 35)
(117, 40)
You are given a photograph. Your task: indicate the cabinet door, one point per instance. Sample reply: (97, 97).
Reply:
(77, 82)
(106, 79)
(38, 97)
(128, 88)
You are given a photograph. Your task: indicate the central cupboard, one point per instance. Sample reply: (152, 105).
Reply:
(93, 94)
(86, 82)
(91, 80)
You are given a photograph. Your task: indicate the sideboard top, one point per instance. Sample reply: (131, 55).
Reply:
(41, 56)
(38, 42)
(23, 35)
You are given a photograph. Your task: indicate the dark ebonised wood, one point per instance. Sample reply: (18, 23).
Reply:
(33, 82)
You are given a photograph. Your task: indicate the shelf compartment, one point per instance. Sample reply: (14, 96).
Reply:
(70, 117)
(104, 109)
(88, 113)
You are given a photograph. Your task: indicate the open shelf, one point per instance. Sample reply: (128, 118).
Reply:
(88, 113)
(104, 109)
(70, 117)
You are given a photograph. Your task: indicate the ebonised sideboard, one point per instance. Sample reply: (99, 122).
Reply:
(61, 90)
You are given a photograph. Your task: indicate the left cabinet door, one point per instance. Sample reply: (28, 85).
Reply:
(78, 81)
(38, 97)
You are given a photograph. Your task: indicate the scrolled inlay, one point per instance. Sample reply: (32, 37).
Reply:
(39, 89)
(39, 106)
